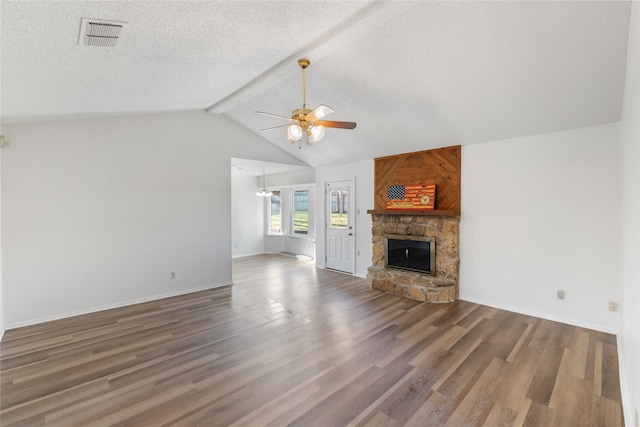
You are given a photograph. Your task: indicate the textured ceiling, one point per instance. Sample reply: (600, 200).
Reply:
(413, 75)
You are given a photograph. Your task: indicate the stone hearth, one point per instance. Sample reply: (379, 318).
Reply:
(441, 288)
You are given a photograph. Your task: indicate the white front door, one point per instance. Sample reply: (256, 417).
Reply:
(340, 248)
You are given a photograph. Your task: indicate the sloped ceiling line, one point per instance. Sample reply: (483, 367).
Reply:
(363, 20)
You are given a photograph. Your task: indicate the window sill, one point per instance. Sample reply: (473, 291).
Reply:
(298, 236)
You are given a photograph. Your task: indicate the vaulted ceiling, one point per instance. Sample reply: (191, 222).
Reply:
(413, 75)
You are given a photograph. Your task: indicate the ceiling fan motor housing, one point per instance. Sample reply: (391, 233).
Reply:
(303, 62)
(300, 115)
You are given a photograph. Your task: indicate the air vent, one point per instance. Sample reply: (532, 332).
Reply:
(99, 32)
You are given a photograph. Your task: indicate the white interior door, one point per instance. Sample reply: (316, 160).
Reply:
(340, 231)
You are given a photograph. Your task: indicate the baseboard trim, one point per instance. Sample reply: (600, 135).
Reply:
(542, 315)
(322, 267)
(116, 305)
(246, 255)
(628, 407)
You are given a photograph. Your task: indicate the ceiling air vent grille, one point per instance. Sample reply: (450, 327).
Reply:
(98, 32)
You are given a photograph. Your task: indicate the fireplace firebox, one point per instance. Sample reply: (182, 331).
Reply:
(413, 253)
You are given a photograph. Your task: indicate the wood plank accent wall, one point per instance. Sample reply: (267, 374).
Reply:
(440, 166)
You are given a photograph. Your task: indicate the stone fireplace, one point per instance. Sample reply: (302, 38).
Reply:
(442, 168)
(441, 287)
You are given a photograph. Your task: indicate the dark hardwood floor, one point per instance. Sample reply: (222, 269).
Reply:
(292, 345)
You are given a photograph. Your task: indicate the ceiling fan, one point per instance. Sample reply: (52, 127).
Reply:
(306, 121)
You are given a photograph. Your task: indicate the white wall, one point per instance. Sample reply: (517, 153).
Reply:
(96, 213)
(247, 217)
(274, 244)
(292, 179)
(362, 173)
(2, 327)
(629, 343)
(539, 214)
(535, 202)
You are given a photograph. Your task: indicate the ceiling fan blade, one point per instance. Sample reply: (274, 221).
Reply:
(272, 128)
(275, 115)
(320, 111)
(332, 124)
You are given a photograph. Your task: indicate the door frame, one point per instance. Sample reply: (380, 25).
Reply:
(352, 217)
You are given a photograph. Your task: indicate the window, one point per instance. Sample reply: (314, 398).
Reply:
(275, 213)
(289, 212)
(300, 212)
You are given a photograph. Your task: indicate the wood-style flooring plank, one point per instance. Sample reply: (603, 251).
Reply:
(289, 344)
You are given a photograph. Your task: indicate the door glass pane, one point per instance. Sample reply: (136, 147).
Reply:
(339, 208)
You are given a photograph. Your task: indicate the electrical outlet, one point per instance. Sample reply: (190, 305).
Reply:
(613, 306)
(560, 294)
(173, 274)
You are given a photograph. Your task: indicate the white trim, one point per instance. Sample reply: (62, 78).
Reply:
(310, 189)
(541, 315)
(117, 305)
(286, 212)
(342, 272)
(305, 237)
(267, 215)
(246, 255)
(327, 221)
(628, 408)
(354, 216)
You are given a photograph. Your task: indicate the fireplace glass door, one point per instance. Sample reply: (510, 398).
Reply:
(410, 253)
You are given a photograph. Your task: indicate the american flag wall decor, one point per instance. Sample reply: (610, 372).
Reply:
(419, 197)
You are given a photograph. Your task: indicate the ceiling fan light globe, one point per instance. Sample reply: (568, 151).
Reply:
(294, 132)
(317, 132)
